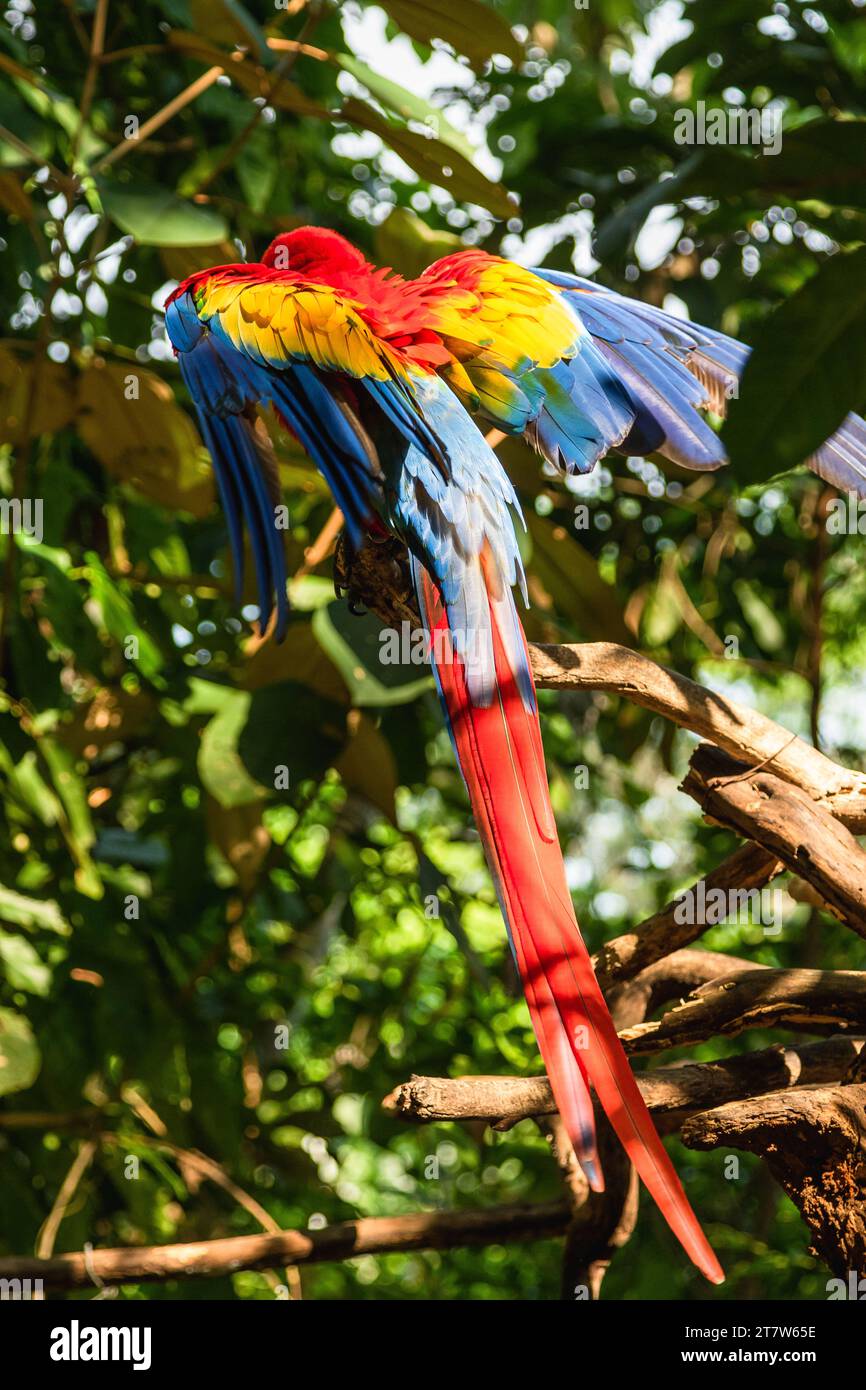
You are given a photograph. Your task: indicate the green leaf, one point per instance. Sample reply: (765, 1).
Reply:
(77, 824)
(219, 764)
(120, 619)
(230, 23)
(406, 104)
(807, 370)
(433, 160)
(156, 216)
(355, 646)
(20, 1058)
(405, 242)
(471, 27)
(768, 631)
(22, 967)
(294, 727)
(257, 167)
(32, 912)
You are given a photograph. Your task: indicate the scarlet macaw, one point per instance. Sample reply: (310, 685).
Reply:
(378, 377)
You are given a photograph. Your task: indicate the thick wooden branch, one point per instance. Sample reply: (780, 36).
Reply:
(671, 978)
(814, 1143)
(371, 1236)
(811, 1001)
(788, 823)
(671, 1093)
(749, 867)
(378, 578)
(739, 730)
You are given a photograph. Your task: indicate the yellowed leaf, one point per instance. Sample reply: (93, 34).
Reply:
(37, 396)
(241, 838)
(298, 658)
(367, 764)
(132, 423)
(182, 261)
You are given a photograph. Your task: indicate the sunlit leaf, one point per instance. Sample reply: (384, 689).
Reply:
(22, 967)
(220, 766)
(20, 1059)
(432, 159)
(470, 26)
(156, 216)
(406, 104)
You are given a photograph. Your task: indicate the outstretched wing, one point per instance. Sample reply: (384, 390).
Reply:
(523, 360)
(247, 336)
(675, 369)
(579, 369)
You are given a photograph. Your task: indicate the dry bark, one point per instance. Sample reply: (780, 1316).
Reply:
(814, 1143)
(811, 1001)
(370, 1236)
(789, 824)
(671, 1093)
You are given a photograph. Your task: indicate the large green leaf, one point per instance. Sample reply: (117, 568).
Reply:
(434, 160)
(470, 26)
(808, 369)
(357, 646)
(19, 1054)
(406, 104)
(156, 216)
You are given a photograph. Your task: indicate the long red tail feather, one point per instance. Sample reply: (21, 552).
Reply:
(500, 754)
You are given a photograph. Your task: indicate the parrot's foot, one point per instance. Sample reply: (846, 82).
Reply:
(376, 578)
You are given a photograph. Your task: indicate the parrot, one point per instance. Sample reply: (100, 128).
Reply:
(390, 384)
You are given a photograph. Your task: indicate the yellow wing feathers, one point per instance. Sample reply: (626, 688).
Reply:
(516, 318)
(275, 322)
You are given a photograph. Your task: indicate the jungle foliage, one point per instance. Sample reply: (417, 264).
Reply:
(194, 959)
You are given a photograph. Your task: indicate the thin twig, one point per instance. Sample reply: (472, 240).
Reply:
(97, 44)
(79, 1166)
(177, 103)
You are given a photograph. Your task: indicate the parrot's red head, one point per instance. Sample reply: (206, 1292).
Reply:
(310, 249)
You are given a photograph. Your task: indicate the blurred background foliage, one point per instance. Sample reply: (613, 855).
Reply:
(192, 960)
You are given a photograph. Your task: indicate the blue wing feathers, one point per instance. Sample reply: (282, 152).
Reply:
(673, 369)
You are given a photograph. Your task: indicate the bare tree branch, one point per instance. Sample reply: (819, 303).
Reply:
(671, 1093)
(372, 1236)
(749, 867)
(740, 731)
(788, 823)
(811, 1001)
(814, 1143)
